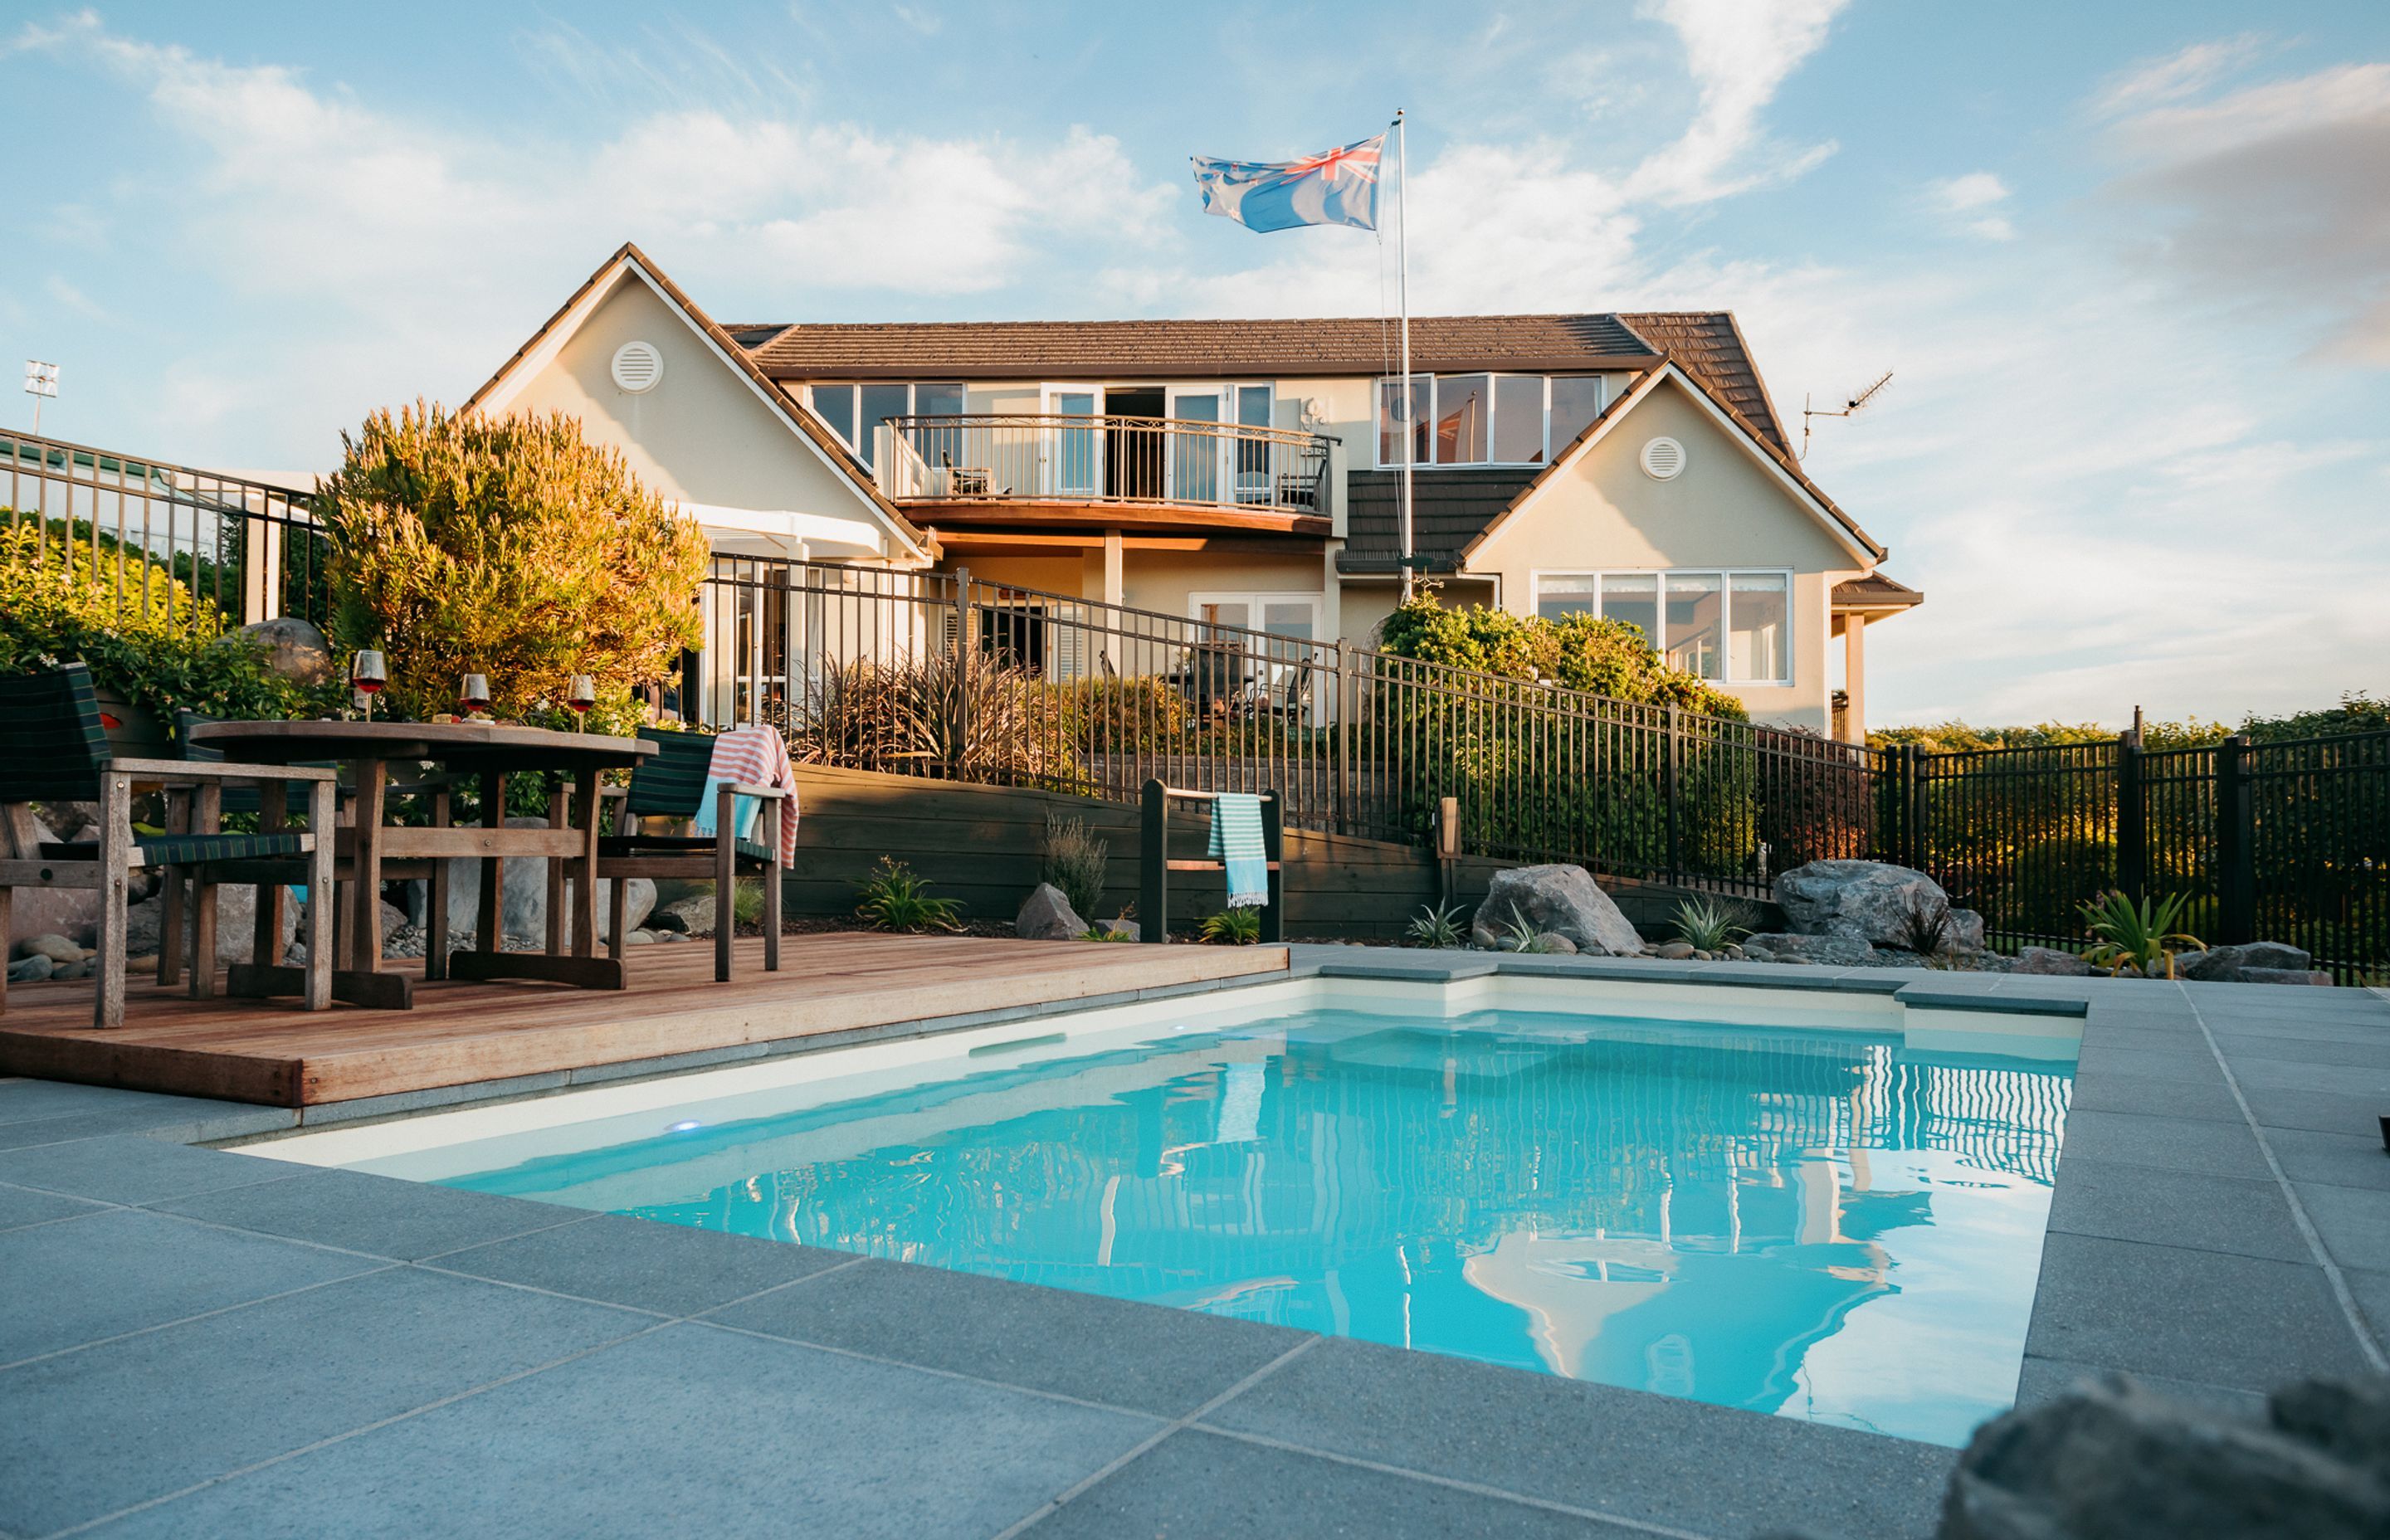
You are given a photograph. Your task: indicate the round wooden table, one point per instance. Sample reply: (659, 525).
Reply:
(490, 752)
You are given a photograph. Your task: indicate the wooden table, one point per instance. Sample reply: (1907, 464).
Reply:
(489, 752)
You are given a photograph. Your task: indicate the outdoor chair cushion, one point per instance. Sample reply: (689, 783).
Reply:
(55, 745)
(176, 850)
(619, 846)
(668, 783)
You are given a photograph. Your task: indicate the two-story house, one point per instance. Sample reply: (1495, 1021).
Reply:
(1248, 472)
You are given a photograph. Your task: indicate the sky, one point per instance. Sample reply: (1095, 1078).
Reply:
(2128, 262)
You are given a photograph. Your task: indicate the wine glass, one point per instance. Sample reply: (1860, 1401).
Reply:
(473, 695)
(581, 693)
(368, 674)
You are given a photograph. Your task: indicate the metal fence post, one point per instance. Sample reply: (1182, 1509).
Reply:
(1668, 788)
(1342, 783)
(1912, 808)
(1154, 870)
(958, 740)
(2132, 821)
(2236, 841)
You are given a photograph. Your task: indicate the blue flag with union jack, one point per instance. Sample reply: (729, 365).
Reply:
(1336, 187)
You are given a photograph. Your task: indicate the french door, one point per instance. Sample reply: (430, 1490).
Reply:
(1071, 458)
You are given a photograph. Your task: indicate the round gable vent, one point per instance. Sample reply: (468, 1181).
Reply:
(637, 367)
(1663, 458)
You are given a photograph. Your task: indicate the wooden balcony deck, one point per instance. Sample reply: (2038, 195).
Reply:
(460, 1034)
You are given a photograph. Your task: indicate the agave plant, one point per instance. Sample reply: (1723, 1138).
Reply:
(1231, 928)
(1437, 925)
(2139, 935)
(894, 897)
(1521, 934)
(1707, 925)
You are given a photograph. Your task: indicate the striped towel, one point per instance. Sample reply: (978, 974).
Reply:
(751, 756)
(1237, 841)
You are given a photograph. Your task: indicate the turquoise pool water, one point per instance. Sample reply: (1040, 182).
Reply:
(1822, 1225)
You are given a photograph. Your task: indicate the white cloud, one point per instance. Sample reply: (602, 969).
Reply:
(2155, 81)
(1974, 190)
(1739, 54)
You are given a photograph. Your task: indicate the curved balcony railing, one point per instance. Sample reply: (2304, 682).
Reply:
(1056, 457)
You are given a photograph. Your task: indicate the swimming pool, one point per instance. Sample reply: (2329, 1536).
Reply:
(1829, 1210)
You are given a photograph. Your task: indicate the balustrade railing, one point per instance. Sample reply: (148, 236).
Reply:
(1059, 457)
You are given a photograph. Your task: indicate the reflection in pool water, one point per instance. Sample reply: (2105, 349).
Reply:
(1821, 1225)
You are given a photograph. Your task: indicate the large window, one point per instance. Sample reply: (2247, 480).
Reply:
(853, 411)
(1734, 627)
(1485, 419)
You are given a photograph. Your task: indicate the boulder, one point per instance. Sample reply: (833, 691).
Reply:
(1552, 942)
(1562, 898)
(2051, 961)
(1674, 951)
(55, 947)
(692, 916)
(2285, 976)
(522, 901)
(1832, 951)
(236, 924)
(1756, 954)
(1046, 915)
(295, 649)
(1869, 900)
(2230, 964)
(2110, 1458)
(31, 970)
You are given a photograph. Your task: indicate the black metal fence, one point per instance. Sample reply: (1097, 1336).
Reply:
(168, 544)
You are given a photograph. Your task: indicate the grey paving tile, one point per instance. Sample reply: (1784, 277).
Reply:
(2341, 1160)
(378, 1214)
(2372, 1291)
(685, 1430)
(2174, 1208)
(213, 1395)
(2044, 1378)
(2179, 1065)
(2354, 1223)
(1196, 1486)
(667, 1268)
(171, 1116)
(2373, 1054)
(128, 1169)
(21, 1100)
(2183, 1039)
(2100, 1089)
(1148, 1357)
(22, 1206)
(2324, 1112)
(2248, 1322)
(2166, 1144)
(1652, 1458)
(2294, 1028)
(124, 1269)
(2256, 1071)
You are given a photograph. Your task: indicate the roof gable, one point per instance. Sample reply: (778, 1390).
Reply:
(628, 264)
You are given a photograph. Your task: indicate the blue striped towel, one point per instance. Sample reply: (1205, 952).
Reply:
(1237, 841)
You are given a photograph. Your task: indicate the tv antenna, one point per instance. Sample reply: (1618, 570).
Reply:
(1850, 408)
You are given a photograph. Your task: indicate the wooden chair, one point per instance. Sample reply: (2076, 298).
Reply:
(57, 751)
(670, 784)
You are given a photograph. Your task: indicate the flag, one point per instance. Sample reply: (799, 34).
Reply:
(1336, 187)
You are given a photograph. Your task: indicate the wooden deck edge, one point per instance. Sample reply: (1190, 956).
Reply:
(131, 1066)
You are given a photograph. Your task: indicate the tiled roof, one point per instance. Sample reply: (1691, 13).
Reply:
(1708, 345)
(1448, 509)
(1344, 345)
(1875, 591)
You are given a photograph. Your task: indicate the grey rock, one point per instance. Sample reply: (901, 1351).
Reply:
(73, 970)
(2051, 961)
(1674, 951)
(692, 916)
(1756, 954)
(236, 924)
(1555, 943)
(2285, 976)
(666, 935)
(1869, 900)
(296, 649)
(1126, 927)
(59, 949)
(639, 938)
(1836, 950)
(2232, 964)
(1046, 915)
(667, 920)
(1966, 930)
(31, 970)
(523, 901)
(2112, 1458)
(1562, 898)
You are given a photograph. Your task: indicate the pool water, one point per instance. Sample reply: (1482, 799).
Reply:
(1826, 1224)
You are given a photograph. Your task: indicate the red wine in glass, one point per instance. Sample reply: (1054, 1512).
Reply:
(368, 674)
(474, 699)
(581, 694)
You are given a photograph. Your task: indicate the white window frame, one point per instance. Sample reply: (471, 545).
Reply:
(1726, 576)
(1377, 389)
(912, 400)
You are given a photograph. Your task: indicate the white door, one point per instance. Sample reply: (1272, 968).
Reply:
(1073, 457)
(1196, 457)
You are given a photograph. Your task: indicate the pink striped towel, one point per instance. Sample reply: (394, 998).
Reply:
(751, 756)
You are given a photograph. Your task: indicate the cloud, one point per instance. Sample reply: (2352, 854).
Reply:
(1739, 54)
(1976, 196)
(2273, 199)
(2155, 82)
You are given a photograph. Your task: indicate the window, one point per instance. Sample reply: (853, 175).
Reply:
(853, 411)
(1485, 419)
(1734, 627)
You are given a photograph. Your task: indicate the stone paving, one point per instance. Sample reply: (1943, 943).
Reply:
(205, 1344)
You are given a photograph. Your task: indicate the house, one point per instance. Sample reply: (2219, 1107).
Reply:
(1240, 473)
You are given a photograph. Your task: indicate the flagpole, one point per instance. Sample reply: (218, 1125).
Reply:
(1411, 398)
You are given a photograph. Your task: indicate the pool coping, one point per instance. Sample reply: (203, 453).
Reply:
(2213, 1229)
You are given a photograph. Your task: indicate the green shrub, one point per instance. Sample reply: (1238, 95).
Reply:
(148, 641)
(894, 897)
(1708, 924)
(1579, 652)
(2143, 936)
(1230, 927)
(510, 547)
(937, 717)
(1436, 924)
(1074, 860)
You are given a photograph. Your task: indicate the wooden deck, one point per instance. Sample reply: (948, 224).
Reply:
(459, 1033)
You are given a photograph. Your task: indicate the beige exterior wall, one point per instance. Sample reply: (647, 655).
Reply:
(1725, 509)
(701, 434)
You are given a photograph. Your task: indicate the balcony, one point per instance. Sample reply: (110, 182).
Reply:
(1059, 469)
